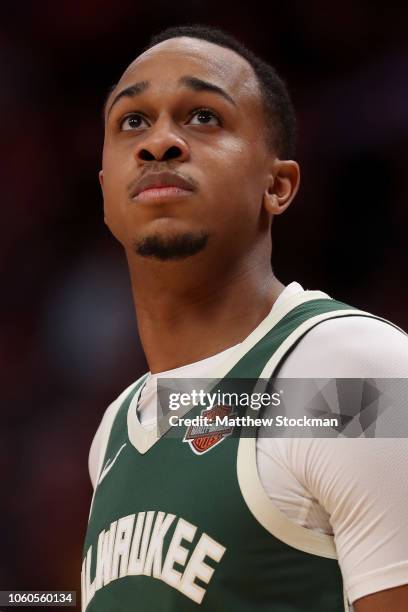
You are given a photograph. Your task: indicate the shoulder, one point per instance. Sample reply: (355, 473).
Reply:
(350, 346)
(102, 433)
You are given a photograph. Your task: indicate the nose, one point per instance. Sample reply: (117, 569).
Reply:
(162, 143)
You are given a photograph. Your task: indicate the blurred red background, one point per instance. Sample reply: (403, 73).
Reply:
(69, 340)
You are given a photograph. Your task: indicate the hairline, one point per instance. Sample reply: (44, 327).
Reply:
(148, 48)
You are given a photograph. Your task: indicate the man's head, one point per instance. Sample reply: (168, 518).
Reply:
(200, 106)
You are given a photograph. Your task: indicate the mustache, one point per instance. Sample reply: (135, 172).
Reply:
(154, 170)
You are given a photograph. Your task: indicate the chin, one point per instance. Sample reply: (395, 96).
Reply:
(170, 245)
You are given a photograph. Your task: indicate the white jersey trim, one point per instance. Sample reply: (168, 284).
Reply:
(106, 427)
(268, 515)
(303, 328)
(143, 439)
(252, 490)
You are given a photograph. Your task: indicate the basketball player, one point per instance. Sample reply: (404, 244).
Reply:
(197, 161)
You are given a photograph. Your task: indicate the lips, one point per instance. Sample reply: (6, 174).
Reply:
(161, 179)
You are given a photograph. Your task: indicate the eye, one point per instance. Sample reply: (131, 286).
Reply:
(205, 117)
(132, 122)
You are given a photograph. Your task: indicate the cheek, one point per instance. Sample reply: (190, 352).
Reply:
(113, 199)
(237, 177)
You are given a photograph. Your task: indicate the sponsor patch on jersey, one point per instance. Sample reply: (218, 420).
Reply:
(214, 429)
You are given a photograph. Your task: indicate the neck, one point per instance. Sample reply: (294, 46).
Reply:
(189, 310)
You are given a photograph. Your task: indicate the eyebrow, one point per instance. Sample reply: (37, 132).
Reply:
(193, 83)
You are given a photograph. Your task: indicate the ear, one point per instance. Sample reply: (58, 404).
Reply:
(283, 185)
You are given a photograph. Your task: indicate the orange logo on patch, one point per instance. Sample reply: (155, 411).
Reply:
(204, 437)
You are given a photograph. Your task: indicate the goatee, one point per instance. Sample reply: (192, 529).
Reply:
(177, 246)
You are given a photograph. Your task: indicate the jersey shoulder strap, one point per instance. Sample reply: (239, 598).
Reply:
(304, 317)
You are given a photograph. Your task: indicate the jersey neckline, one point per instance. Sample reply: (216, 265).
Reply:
(143, 439)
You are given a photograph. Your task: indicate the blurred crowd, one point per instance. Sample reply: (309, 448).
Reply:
(69, 342)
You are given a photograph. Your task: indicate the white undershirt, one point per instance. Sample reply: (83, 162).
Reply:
(356, 489)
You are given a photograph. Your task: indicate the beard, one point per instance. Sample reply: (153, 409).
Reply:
(176, 246)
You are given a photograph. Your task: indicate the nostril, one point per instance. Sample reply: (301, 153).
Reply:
(145, 155)
(172, 153)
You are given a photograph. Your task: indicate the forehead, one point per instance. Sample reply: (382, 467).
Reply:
(164, 63)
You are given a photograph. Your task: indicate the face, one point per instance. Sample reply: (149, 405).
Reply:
(210, 135)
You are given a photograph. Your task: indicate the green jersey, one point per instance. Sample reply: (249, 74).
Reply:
(175, 529)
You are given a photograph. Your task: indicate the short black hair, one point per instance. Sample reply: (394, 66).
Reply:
(279, 111)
